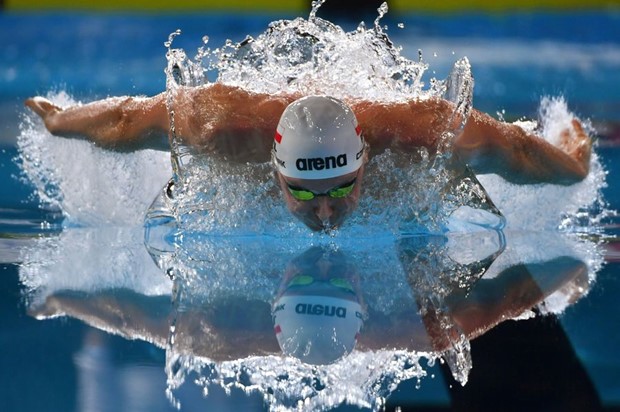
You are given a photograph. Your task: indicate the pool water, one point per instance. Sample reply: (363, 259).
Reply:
(89, 297)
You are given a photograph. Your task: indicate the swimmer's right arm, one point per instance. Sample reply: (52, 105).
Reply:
(116, 123)
(230, 121)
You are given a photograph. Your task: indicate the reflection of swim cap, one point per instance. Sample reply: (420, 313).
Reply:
(316, 329)
(317, 138)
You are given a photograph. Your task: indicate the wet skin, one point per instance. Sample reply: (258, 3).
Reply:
(322, 212)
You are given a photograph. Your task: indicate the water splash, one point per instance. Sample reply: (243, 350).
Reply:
(287, 384)
(316, 56)
(583, 206)
(316, 5)
(312, 56)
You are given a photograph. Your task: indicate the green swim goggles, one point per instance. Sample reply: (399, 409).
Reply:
(307, 280)
(335, 193)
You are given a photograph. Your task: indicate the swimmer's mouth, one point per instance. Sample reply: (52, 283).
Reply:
(327, 226)
(318, 225)
(324, 226)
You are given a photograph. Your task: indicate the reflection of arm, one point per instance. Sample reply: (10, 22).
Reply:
(400, 330)
(122, 312)
(230, 330)
(475, 311)
(513, 292)
(227, 330)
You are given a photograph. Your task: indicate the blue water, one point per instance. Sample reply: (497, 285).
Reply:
(62, 364)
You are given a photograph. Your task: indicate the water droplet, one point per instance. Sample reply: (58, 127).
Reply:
(316, 4)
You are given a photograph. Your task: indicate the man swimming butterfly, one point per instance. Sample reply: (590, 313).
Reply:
(321, 144)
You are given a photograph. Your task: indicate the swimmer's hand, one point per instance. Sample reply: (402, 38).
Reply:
(44, 108)
(51, 114)
(576, 143)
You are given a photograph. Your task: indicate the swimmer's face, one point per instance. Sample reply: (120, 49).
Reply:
(323, 211)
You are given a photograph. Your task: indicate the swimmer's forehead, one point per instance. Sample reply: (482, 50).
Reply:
(327, 183)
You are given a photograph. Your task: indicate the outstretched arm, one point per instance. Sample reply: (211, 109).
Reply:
(486, 144)
(239, 125)
(491, 146)
(117, 123)
(215, 118)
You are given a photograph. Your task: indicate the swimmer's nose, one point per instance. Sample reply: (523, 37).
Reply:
(324, 210)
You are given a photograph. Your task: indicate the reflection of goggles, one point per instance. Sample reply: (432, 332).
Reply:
(307, 280)
(335, 193)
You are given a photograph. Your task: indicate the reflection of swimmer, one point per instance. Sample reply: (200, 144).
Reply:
(229, 327)
(318, 313)
(318, 151)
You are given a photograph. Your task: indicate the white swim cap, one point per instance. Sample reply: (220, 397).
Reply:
(318, 330)
(317, 138)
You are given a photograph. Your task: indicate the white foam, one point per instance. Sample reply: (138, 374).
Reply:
(364, 379)
(90, 260)
(89, 185)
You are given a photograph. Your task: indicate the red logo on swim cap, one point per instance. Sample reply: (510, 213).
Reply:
(358, 130)
(278, 137)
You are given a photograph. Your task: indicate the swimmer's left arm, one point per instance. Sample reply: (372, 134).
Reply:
(515, 290)
(404, 126)
(491, 146)
(486, 144)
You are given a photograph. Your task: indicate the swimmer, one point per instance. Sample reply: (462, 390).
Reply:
(321, 144)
